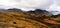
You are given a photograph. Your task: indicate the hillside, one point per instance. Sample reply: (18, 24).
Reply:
(9, 19)
(31, 19)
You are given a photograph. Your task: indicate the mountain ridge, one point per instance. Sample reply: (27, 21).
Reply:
(29, 19)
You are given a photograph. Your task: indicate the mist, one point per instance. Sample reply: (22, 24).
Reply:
(52, 6)
(25, 4)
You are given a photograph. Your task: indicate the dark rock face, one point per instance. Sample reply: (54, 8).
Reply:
(41, 11)
(11, 9)
(15, 10)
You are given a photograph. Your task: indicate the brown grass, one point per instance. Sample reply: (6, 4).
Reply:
(25, 20)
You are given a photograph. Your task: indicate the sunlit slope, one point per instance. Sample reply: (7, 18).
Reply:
(26, 20)
(18, 20)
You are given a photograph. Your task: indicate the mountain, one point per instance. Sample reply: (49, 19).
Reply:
(41, 12)
(11, 10)
(15, 10)
(37, 11)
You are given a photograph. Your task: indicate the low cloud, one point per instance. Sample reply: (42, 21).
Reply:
(26, 4)
(55, 7)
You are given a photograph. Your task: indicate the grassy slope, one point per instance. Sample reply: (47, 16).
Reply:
(26, 20)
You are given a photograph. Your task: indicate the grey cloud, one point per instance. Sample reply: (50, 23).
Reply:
(27, 4)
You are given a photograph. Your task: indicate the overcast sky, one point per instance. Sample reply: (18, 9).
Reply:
(49, 5)
(25, 4)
